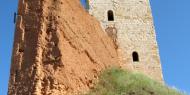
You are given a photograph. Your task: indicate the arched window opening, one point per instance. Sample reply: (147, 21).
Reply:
(135, 57)
(110, 15)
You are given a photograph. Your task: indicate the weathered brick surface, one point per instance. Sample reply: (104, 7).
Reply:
(59, 49)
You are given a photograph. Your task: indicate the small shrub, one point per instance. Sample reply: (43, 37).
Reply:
(116, 81)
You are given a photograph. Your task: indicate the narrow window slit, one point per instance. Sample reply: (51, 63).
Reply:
(110, 15)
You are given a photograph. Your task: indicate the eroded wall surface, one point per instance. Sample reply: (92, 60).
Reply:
(59, 49)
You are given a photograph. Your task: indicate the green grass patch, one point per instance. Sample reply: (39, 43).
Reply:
(117, 81)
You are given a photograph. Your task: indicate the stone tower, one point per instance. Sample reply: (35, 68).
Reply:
(130, 24)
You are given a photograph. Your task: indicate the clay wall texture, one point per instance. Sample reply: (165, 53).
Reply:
(59, 49)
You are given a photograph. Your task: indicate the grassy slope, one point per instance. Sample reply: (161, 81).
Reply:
(120, 82)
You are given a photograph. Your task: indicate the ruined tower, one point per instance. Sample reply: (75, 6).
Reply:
(130, 24)
(59, 49)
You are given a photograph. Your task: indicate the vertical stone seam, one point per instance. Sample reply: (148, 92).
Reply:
(38, 65)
